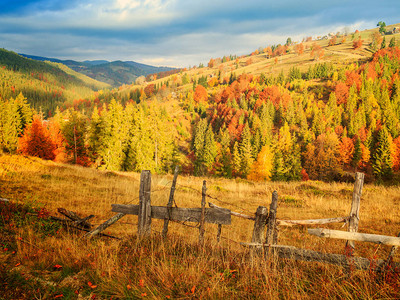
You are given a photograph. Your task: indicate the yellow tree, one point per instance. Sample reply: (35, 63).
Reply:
(262, 167)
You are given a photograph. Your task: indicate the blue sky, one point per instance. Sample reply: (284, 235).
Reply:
(178, 33)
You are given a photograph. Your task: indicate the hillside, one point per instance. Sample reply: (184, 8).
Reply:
(317, 109)
(115, 73)
(46, 85)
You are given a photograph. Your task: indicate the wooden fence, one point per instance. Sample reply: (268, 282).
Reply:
(265, 233)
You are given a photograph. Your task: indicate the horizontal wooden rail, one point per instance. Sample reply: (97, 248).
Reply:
(288, 222)
(212, 215)
(312, 221)
(233, 213)
(335, 259)
(355, 236)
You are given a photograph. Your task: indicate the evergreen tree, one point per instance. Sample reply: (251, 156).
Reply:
(10, 125)
(210, 148)
(237, 160)
(246, 152)
(382, 157)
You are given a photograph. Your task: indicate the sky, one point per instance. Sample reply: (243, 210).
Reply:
(176, 33)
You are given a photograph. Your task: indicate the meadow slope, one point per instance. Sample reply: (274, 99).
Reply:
(42, 260)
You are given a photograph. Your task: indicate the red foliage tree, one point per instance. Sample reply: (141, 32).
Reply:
(342, 93)
(36, 141)
(149, 90)
(299, 48)
(357, 43)
(200, 94)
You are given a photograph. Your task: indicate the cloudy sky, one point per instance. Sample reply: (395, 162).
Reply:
(177, 33)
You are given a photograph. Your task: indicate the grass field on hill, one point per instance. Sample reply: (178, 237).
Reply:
(41, 260)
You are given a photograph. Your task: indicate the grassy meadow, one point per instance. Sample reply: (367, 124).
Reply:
(41, 260)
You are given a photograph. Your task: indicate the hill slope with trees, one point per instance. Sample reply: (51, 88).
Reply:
(319, 109)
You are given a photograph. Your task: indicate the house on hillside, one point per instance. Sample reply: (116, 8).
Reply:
(395, 30)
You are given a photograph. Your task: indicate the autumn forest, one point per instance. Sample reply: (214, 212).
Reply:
(320, 120)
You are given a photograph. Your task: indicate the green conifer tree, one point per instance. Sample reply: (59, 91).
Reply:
(382, 157)
(246, 152)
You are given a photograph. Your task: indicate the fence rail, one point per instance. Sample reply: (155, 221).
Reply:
(265, 232)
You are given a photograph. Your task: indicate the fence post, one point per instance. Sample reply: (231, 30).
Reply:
(203, 213)
(144, 221)
(272, 232)
(259, 226)
(355, 210)
(170, 201)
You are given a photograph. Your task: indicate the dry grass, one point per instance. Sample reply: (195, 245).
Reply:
(177, 267)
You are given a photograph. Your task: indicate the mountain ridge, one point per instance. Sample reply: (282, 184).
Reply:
(115, 73)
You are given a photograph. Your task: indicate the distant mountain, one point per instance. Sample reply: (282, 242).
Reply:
(115, 73)
(46, 84)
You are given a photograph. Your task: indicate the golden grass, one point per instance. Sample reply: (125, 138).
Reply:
(177, 267)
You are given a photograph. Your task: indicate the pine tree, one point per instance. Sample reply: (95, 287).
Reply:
(210, 148)
(198, 146)
(11, 126)
(74, 131)
(382, 157)
(237, 160)
(246, 152)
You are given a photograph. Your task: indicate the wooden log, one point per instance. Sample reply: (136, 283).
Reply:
(291, 252)
(203, 213)
(272, 234)
(84, 220)
(355, 207)
(233, 213)
(311, 221)
(144, 215)
(170, 201)
(74, 217)
(71, 224)
(103, 226)
(212, 215)
(355, 236)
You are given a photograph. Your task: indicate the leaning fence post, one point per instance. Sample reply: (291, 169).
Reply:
(259, 226)
(355, 209)
(144, 221)
(170, 201)
(203, 213)
(272, 232)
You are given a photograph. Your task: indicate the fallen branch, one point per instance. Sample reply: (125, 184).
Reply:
(71, 224)
(103, 226)
(74, 217)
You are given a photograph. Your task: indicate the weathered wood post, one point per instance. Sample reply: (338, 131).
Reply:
(355, 210)
(203, 213)
(272, 232)
(170, 201)
(144, 221)
(388, 260)
(219, 232)
(259, 226)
